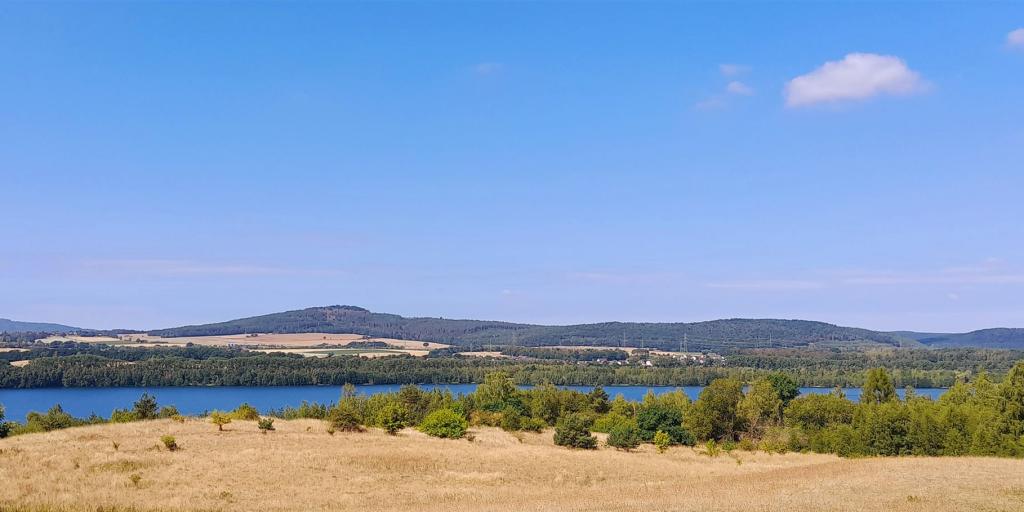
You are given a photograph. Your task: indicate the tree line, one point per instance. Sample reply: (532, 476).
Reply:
(258, 369)
(977, 417)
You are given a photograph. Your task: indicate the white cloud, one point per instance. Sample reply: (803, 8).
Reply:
(488, 68)
(1015, 39)
(737, 87)
(858, 76)
(732, 69)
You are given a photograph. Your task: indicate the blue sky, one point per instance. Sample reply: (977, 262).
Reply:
(164, 164)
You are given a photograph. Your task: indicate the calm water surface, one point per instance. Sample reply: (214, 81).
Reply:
(196, 400)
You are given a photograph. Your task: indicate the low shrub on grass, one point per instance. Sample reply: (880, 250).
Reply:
(444, 423)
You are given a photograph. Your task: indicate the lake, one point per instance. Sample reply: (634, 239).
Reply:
(195, 400)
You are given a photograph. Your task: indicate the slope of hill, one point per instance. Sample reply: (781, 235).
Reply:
(15, 326)
(716, 335)
(1002, 338)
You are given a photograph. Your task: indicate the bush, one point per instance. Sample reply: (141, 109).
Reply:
(625, 436)
(391, 418)
(609, 421)
(533, 425)
(245, 412)
(572, 431)
(444, 423)
(265, 424)
(662, 441)
(168, 411)
(145, 407)
(123, 416)
(170, 443)
(345, 417)
(220, 419)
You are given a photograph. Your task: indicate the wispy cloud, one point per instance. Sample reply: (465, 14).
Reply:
(768, 285)
(488, 68)
(857, 76)
(732, 69)
(1015, 39)
(732, 88)
(180, 267)
(737, 87)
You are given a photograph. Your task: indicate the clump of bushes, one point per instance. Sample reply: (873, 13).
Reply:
(265, 424)
(444, 423)
(245, 412)
(624, 436)
(170, 443)
(572, 431)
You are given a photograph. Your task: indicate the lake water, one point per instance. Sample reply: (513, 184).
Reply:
(195, 400)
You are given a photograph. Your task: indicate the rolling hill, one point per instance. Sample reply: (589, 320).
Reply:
(1000, 338)
(15, 326)
(716, 335)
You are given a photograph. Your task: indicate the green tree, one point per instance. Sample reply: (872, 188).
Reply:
(656, 416)
(145, 407)
(572, 431)
(220, 419)
(662, 441)
(5, 428)
(624, 436)
(715, 415)
(599, 400)
(246, 412)
(392, 418)
(761, 407)
(345, 416)
(785, 386)
(878, 387)
(445, 423)
(497, 393)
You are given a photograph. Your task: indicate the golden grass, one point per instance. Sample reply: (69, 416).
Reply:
(300, 467)
(307, 344)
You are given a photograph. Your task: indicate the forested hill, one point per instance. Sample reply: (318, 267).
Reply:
(1001, 338)
(15, 326)
(716, 335)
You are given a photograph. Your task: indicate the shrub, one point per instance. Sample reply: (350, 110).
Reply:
(533, 425)
(145, 407)
(135, 479)
(168, 411)
(391, 418)
(711, 449)
(609, 421)
(444, 423)
(123, 416)
(345, 417)
(170, 443)
(511, 421)
(662, 441)
(265, 424)
(245, 412)
(624, 437)
(572, 431)
(220, 419)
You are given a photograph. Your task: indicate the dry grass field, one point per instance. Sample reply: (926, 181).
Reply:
(307, 344)
(301, 468)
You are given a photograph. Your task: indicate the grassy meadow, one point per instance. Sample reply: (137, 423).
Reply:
(301, 467)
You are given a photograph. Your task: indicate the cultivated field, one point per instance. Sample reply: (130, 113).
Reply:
(300, 467)
(315, 344)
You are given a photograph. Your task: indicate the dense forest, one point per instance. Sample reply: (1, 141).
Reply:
(715, 336)
(197, 366)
